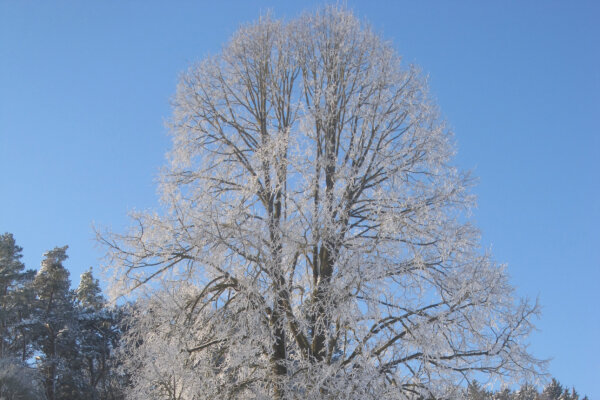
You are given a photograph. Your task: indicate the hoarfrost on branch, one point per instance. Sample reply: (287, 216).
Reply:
(314, 243)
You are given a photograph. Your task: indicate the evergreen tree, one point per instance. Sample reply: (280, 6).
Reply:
(19, 381)
(476, 392)
(504, 394)
(76, 334)
(526, 392)
(15, 300)
(98, 336)
(552, 391)
(573, 395)
(56, 328)
(89, 294)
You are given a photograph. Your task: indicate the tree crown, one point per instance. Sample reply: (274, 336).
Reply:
(314, 243)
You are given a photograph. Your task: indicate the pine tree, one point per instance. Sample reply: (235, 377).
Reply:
(526, 392)
(15, 299)
(504, 394)
(552, 391)
(476, 392)
(574, 395)
(89, 294)
(98, 336)
(19, 381)
(56, 328)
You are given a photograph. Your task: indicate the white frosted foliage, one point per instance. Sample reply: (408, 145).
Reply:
(313, 243)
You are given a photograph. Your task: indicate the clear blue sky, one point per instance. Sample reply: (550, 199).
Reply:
(85, 88)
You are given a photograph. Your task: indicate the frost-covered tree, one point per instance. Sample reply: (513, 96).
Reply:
(526, 392)
(56, 328)
(19, 381)
(89, 293)
(314, 242)
(476, 392)
(97, 336)
(503, 394)
(152, 351)
(553, 390)
(15, 301)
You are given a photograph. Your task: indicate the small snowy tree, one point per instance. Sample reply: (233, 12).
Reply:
(314, 243)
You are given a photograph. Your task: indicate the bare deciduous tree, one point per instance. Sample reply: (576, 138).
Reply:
(314, 243)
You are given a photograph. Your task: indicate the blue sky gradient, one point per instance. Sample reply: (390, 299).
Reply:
(85, 89)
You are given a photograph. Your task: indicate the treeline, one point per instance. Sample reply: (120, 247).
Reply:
(57, 343)
(552, 391)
